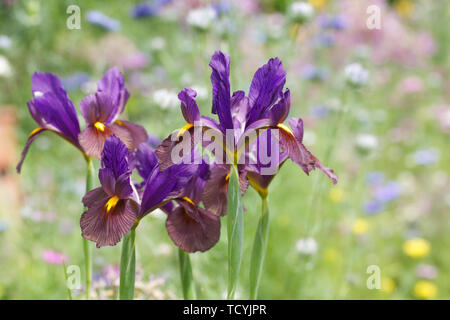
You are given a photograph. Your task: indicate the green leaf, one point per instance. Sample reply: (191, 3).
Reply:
(235, 231)
(127, 266)
(259, 249)
(187, 280)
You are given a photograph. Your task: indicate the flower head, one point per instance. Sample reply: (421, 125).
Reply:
(101, 110)
(113, 207)
(416, 248)
(52, 110)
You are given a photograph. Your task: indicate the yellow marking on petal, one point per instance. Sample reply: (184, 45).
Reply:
(111, 203)
(184, 129)
(188, 200)
(285, 128)
(35, 131)
(120, 123)
(227, 177)
(100, 126)
(263, 192)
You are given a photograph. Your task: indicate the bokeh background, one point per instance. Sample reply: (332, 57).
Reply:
(376, 109)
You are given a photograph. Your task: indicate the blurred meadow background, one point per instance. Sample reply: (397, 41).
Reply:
(376, 107)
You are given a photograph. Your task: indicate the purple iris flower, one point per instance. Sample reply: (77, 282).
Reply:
(267, 106)
(52, 110)
(101, 110)
(102, 20)
(113, 207)
(178, 191)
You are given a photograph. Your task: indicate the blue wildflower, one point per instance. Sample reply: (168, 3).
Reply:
(374, 178)
(426, 157)
(333, 22)
(102, 20)
(373, 207)
(314, 73)
(319, 111)
(387, 192)
(75, 80)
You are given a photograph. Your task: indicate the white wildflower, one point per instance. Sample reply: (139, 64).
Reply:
(356, 74)
(201, 18)
(166, 99)
(307, 246)
(301, 12)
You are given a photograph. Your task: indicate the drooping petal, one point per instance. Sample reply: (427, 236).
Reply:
(215, 194)
(192, 228)
(265, 88)
(291, 142)
(52, 111)
(34, 134)
(113, 85)
(189, 106)
(107, 227)
(136, 133)
(220, 80)
(92, 140)
(95, 197)
(280, 111)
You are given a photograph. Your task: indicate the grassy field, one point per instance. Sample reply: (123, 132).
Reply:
(387, 139)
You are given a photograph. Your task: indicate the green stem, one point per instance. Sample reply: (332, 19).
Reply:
(235, 228)
(259, 249)
(90, 175)
(187, 280)
(128, 266)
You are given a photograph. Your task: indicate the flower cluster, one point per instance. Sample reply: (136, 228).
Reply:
(192, 191)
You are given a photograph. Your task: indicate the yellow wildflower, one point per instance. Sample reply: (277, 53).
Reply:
(425, 290)
(388, 285)
(318, 4)
(404, 8)
(336, 194)
(360, 226)
(416, 247)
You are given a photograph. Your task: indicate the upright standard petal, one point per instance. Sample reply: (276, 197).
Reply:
(115, 156)
(189, 106)
(265, 88)
(113, 85)
(220, 80)
(280, 111)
